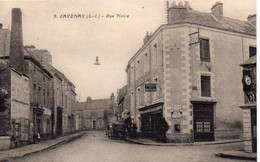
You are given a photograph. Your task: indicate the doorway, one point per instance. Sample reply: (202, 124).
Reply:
(203, 122)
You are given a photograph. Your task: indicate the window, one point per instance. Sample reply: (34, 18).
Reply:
(62, 98)
(34, 92)
(39, 95)
(48, 95)
(155, 54)
(66, 101)
(146, 63)
(138, 69)
(252, 51)
(138, 95)
(44, 99)
(205, 86)
(199, 126)
(146, 95)
(156, 94)
(204, 50)
(177, 128)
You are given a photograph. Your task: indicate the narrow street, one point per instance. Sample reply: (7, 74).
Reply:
(95, 146)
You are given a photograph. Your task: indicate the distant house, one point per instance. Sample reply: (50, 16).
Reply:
(122, 111)
(95, 113)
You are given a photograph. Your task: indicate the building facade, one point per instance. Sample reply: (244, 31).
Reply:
(193, 61)
(249, 81)
(122, 112)
(14, 88)
(96, 113)
(29, 80)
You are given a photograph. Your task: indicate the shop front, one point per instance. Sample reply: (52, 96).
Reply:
(153, 125)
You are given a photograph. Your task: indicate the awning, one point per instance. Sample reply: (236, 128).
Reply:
(151, 108)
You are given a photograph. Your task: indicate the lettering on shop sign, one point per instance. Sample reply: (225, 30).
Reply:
(150, 87)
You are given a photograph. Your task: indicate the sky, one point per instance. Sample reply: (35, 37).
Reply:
(74, 43)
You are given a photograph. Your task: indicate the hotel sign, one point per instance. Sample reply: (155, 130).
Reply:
(150, 87)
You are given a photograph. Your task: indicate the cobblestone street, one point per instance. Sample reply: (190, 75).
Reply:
(94, 146)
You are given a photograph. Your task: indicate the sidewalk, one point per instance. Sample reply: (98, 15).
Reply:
(142, 141)
(34, 148)
(238, 155)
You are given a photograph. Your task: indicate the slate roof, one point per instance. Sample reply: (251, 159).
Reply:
(94, 104)
(207, 19)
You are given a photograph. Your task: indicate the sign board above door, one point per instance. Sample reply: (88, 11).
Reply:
(150, 87)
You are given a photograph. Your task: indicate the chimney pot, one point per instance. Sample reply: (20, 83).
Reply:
(173, 4)
(217, 10)
(180, 4)
(187, 5)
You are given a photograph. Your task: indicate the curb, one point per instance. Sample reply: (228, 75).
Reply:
(47, 148)
(181, 144)
(235, 156)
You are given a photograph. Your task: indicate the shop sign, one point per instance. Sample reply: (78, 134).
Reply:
(150, 87)
(176, 111)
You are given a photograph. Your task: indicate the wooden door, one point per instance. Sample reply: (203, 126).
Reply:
(203, 122)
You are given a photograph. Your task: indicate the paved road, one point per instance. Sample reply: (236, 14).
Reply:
(94, 146)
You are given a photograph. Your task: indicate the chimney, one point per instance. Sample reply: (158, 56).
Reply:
(112, 97)
(175, 10)
(217, 10)
(146, 37)
(16, 44)
(252, 19)
(1, 26)
(89, 99)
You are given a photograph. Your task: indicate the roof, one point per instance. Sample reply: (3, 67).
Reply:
(207, 19)
(250, 61)
(122, 93)
(94, 104)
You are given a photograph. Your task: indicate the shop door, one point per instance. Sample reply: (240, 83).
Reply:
(253, 128)
(203, 122)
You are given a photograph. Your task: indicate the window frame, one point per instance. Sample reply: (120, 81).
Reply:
(203, 50)
(202, 93)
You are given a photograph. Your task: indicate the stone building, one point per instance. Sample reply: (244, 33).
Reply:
(14, 88)
(52, 96)
(96, 113)
(122, 111)
(193, 61)
(63, 96)
(249, 107)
